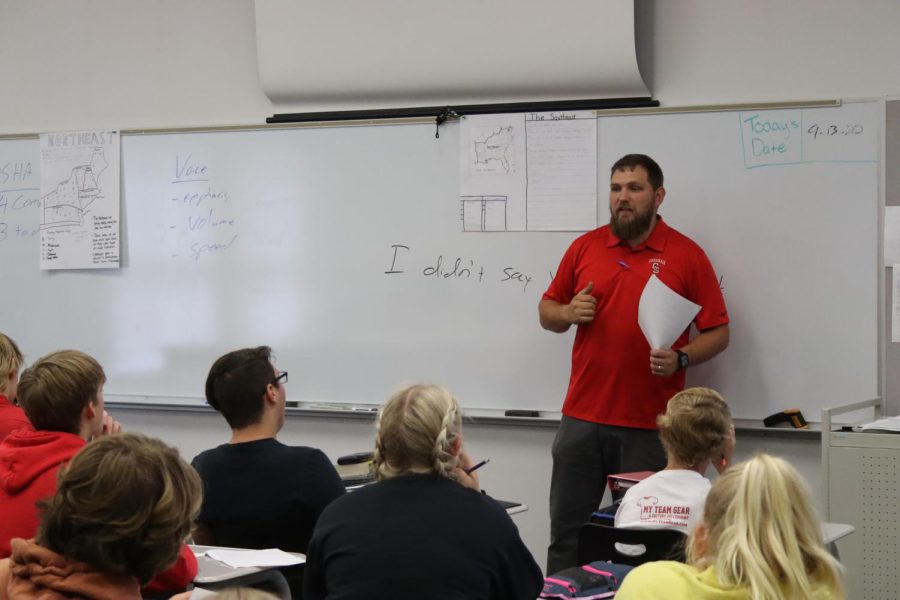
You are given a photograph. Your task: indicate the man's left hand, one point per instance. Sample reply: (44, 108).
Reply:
(663, 361)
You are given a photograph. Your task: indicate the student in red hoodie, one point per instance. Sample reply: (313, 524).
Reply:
(62, 396)
(11, 416)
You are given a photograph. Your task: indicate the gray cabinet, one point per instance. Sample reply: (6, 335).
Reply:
(862, 486)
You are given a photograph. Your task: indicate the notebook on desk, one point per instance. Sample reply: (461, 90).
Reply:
(620, 482)
(213, 571)
(618, 485)
(606, 515)
(210, 570)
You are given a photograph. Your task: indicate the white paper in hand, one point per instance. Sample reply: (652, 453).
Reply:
(663, 314)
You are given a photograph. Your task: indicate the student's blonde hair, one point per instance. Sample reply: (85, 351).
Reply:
(762, 533)
(695, 426)
(416, 431)
(10, 360)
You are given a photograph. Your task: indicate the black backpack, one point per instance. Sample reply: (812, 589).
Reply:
(594, 580)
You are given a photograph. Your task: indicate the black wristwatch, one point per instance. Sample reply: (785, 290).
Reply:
(683, 360)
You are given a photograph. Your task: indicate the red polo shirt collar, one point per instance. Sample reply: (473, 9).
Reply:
(656, 241)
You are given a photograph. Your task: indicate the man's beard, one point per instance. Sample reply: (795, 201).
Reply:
(633, 228)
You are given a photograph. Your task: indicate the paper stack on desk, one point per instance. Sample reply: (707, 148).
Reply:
(271, 557)
(890, 424)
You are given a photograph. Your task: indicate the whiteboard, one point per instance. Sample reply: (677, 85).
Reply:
(342, 249)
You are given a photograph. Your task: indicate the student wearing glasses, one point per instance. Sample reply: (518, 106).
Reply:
(258, 492)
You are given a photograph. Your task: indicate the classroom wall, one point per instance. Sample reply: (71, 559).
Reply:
(170, 63)
(704, 51)
(128, 64)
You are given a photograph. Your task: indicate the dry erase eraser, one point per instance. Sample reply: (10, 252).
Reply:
(788, 415)
(522, 413)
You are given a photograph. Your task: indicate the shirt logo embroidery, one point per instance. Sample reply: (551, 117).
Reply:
(656, 264)
(653, 511)
(647, 504)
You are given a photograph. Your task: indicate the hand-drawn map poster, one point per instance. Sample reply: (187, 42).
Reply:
(80, 200)
(528, 171)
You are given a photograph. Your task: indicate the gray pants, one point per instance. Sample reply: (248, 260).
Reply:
(584, 453)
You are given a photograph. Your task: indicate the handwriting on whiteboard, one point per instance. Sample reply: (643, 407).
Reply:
(457, 268)
(20, 201)
(199, 216)
(789, 137)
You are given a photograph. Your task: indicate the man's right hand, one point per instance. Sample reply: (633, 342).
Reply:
(583, 306)
(558, 317)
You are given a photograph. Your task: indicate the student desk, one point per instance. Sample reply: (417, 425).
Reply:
(212, 574)
(832, 532)
(354, 482)
(512, 508)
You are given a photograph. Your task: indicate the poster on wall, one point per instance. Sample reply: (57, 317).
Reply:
(79, 219)
(528, 171)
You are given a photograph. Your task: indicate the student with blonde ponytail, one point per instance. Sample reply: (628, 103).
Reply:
(419, 431)
(423, 530)
(759, 540)
(696, 430)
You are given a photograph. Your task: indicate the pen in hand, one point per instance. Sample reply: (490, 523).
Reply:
(470, 470)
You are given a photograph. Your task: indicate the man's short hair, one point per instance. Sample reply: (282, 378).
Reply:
(124, 505)
(237, 383)
(56, 388)
(630, 161)
(10, 360)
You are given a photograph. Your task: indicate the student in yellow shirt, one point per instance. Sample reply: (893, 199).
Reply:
(759, 540)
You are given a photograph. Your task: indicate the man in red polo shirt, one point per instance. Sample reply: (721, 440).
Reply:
(619, 384)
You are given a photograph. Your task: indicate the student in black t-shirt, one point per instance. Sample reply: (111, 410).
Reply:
(258, 492)
(423, 530)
